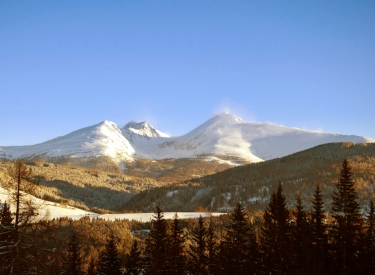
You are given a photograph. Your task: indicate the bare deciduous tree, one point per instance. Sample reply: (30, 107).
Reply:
(25, 212)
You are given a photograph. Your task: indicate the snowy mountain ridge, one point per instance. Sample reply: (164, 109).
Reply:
(222, 137)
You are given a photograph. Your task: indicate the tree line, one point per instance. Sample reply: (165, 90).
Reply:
(285, 241)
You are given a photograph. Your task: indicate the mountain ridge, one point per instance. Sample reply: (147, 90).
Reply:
(222, 137)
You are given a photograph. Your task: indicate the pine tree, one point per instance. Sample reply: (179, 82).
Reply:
(109, 259)
(239, 251)
(347, 222)
(212, 248)
(319, 234)
(133, 263)
(301, 240)
(276, 235)
(157, 245)
(367, 256)
(5, 223)
(177, 248)
(198, 258)
(5, 215)
(253, 252)
(73, 262)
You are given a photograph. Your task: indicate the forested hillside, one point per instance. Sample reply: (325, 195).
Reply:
(252, 184)
(100, 183)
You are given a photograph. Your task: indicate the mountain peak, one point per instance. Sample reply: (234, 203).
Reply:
(143, 129)
(228, 117)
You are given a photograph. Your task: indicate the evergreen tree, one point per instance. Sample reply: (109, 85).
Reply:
(301, 240)
(157, 245)
(276, 235)
(198, 258)
(253, 252)
(319, 234)
(5, 223)
(347, 222)
(73, 262)
(91, 270)
(177, 248)
(239, 251)
(5, 215)
(212, 248)
(133, 263)
(109, 259)
(367, 256)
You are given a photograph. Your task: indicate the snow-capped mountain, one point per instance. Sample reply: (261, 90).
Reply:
(103, 139)
(222, 137)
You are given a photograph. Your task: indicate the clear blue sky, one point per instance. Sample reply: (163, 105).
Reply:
(65, 65)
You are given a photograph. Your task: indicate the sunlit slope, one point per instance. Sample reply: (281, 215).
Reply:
(253, 184)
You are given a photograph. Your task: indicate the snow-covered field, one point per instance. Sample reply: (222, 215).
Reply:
(56, 210)
(223, 136)
(146, 217)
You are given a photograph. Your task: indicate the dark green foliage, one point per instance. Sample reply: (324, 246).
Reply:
(367, 255)
(240, 247)
(133, 263)
(301, 240)
(6, 226)
(109, 259)
(5, 215)
(73, 262)
(157, 245)
(198, 258)
(347, 222)
(6, 229)
(212, 250)
(276, 235)
(177, 257)
(319, 239)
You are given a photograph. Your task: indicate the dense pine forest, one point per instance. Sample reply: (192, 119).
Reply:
(278, 240)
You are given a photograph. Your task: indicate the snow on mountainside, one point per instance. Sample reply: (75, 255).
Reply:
(228, 135)
(103, 139)
(223, 136)
(56, 210)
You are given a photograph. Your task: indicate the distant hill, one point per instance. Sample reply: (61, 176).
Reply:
(253, 184)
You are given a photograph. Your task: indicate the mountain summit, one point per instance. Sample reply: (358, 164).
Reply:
(142, 129)
(224, 137)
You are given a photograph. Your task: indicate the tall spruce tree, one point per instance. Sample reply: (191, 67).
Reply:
(212, 250)
(319, 234)
(347, 222)
(177, 248)
(301, 240)
(6, 229)
(239, 245)
(157, 245)
(198, 257)
(73, 262)
(133, 263)
(276, 235)
(6, 220)
(367, 255)
(5, 215)
(109, 259)
(253, 252)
